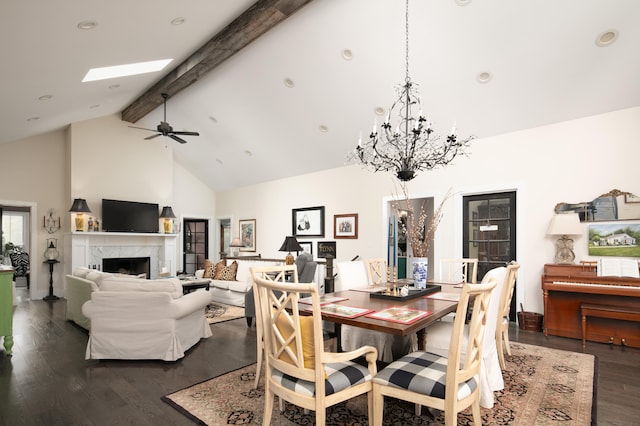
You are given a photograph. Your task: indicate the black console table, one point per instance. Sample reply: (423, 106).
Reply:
(51, 296)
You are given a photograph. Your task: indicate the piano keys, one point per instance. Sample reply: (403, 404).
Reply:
(566, 287)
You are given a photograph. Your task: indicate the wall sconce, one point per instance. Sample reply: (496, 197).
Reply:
(51, 253)
(50, 223)
(79, 207)
(167, 215)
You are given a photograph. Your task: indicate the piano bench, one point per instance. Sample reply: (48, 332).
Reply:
(625, 313)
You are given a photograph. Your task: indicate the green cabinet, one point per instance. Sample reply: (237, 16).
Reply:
(6, 307)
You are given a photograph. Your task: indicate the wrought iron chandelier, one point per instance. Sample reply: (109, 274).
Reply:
(412, 146)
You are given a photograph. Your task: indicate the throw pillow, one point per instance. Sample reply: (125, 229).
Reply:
(210, 268)
(306, 331)
(226, 273)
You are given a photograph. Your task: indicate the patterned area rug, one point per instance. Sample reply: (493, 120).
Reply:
(542, 387)
(217, 312)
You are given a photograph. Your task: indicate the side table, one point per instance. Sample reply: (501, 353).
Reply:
(6, 307)
(51, 296)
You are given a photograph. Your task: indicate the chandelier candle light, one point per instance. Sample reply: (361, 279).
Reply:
(412, 146)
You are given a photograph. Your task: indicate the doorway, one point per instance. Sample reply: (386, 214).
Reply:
(489, 232)
(195, 244)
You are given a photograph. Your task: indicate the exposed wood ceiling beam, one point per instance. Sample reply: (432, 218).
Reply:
(254, 22)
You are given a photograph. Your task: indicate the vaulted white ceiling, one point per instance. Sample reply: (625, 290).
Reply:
(543, 58)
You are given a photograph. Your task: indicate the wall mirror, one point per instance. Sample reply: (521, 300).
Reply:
(614, 205)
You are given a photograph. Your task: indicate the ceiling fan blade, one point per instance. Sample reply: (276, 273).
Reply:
(152, 136)
(177, 139)
(187, 133)
(142, 128)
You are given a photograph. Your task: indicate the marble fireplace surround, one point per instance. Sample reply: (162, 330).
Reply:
(89, 248)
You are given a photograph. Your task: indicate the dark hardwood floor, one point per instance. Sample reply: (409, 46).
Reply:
(48, 382)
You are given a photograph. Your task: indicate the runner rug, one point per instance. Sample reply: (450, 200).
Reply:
(218, 312)
(542, 387)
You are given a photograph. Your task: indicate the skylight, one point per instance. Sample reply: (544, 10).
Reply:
(125, 70)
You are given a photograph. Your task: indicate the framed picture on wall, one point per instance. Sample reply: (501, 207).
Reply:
(345, 225)
(308, 222)
(307, 247)
(248, 234)
(326, 248)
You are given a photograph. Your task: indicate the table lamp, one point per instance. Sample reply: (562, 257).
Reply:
(78, 207)
(236, 243)
(564, 225)
(167, 215)
(290, 244)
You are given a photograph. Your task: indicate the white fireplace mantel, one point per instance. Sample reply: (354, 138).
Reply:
(88, 249)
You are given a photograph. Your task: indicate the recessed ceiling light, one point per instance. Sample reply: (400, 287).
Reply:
(87, 25)
(45, 97)
(379, 111)
(177, 21)
(248, 153)
(125, 70)
(462, 2)
(289, 82)
(114, 86)
(606, 38)
(347, 54)
(219, 161)
(33, 118)
(94, 106)
(213, 119)
(323, 128)
(484, 77)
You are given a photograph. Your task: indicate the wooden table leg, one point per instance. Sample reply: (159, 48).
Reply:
(584, 328)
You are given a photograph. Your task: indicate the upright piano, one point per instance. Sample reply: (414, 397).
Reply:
(566, 287)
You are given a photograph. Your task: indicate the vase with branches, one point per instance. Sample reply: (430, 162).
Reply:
(419, 228)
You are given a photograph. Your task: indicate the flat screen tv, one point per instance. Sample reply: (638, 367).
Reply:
(129, 216)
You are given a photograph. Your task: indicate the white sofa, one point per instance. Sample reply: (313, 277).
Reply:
(78, 289)
(135, 318)
(233, 292)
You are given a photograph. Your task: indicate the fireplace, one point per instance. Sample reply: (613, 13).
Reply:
(128, 265)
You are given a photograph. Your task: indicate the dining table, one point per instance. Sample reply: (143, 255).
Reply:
(436, 305)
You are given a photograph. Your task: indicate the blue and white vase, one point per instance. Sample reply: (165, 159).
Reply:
(420, 266)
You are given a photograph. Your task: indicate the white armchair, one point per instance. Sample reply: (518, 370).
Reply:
(145, 320)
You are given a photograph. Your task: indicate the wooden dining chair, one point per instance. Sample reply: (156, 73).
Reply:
(502, 327)
(377, 272)
(459, 270)
(444, 383)
(297, 368)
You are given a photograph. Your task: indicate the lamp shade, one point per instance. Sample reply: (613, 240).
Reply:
(236, 243)
(79, 206)
(565, 224)
(290, 244)
(167, 213)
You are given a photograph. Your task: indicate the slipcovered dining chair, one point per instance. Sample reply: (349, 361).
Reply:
(352, 275)
(449, 384)
(502, 325)
(459, 270)
(298, 369)
(439, 335)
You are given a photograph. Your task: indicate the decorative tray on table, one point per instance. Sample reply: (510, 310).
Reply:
(413, 293)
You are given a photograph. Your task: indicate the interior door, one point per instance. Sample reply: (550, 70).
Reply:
(195, 244)
(489, 231)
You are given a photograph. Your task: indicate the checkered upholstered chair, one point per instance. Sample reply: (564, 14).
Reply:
(502, 327)
(297, 369)
(448, 383)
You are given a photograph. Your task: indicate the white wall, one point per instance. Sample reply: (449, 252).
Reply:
(566, 162)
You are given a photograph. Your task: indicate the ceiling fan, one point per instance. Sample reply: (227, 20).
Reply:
(164, 129)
